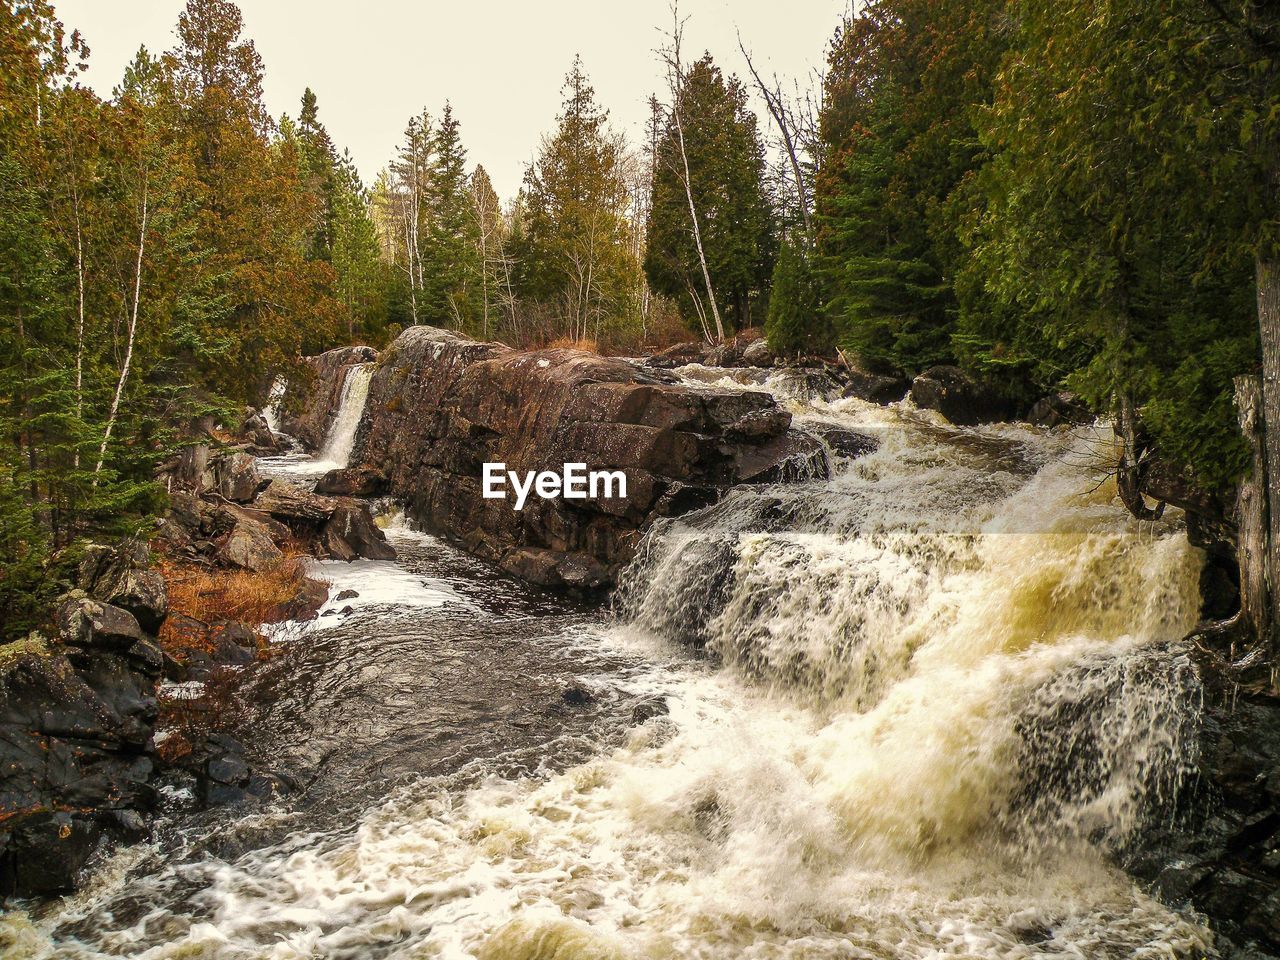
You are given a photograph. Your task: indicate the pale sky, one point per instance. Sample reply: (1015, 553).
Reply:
(500, 62)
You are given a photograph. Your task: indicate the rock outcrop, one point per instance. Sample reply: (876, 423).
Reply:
(1219, 851)
(312, 405)
(77, 715)
(440, 406)
(222, 512)
(875, 387)
(960, 398)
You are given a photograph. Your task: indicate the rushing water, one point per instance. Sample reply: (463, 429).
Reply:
(913, 711)
(340, 438)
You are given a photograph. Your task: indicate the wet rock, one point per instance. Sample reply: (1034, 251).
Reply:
(237, 477)
(1219, 849)
(649, 708)
(227, 768)
(1057, 409)
(120, 575)
(207, 647)
(311, 596)
(807, 383)
(577, 695)
(353, 482)
(346, 595)
(679, 355)
(440, 406)
(875, 387)
(315, 397)
(350, 533)
(681, 498)
(844, 443)
(960, 398)
(785, 458)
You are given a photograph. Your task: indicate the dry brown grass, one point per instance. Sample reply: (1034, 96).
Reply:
(586, 345)
(242, 595)
(213, 596)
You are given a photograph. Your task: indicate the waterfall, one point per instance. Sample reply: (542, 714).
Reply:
(341, 438)
(914, 711)
(271, 412)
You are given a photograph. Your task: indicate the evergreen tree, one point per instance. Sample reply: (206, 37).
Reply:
(905, 79)
(360, 276)
(574, 248)
(795, 320)
(452, 260)
(256, 218)
(726, 166)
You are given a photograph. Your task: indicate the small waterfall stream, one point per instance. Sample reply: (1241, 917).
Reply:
(913, 711)
(341, 438)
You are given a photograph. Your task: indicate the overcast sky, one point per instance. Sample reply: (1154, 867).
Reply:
(501, 62)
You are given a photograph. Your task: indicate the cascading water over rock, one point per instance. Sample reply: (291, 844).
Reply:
(913, 711)
(341, 438)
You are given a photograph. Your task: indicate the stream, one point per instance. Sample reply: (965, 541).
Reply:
(912, 711)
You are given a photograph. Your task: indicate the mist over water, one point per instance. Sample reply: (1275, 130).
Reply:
(913, 711)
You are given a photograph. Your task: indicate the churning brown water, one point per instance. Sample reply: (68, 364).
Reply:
(914, 710)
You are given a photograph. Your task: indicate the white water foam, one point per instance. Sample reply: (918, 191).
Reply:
(951, 685)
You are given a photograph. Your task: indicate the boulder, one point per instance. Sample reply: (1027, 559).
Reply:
(960, 398)
(255, 431)
(353, 482)
(844, 443)
(1057, 409)
(350, 533)
(250, 546)
(293, 504)
(120, 575)
(441, 406)
(757, 353)
(236, 477)
(338, 528)
(875, 387)
(679, 355)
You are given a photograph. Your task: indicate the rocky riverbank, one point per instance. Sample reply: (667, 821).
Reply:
(77, 715)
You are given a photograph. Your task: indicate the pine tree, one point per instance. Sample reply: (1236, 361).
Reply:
(574, 252)
(905, 80)
(795, 320)
(452, 268)
(726, 166)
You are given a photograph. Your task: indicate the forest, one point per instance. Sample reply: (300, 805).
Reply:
(1079, 197)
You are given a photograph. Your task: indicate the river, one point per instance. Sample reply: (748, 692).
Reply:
(912, 711)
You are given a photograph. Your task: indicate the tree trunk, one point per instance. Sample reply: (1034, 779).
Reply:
(133, 334)
(1268, 280)
(1251, 512)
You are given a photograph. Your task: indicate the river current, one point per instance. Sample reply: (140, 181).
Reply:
(916, 710)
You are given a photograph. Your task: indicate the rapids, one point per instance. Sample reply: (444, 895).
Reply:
(915, 711)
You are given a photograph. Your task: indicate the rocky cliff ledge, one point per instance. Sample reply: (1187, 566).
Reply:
(441, 405)
(77, 713)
